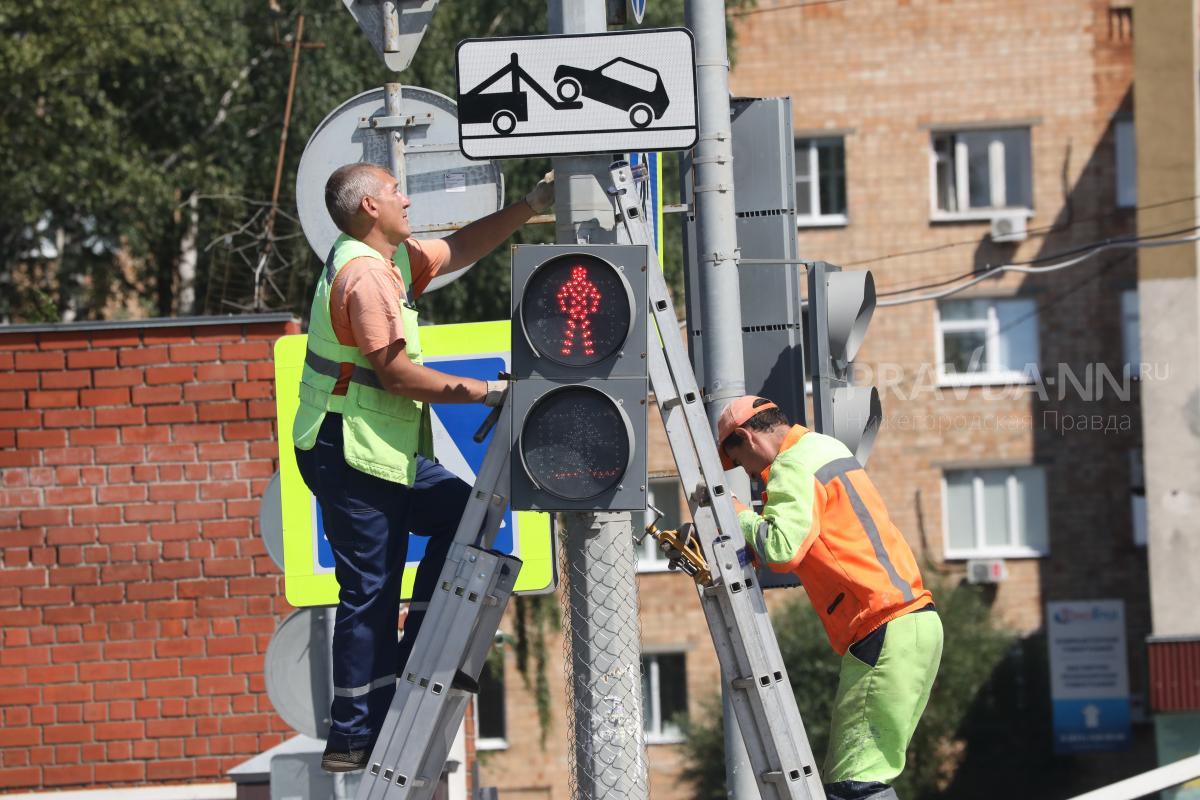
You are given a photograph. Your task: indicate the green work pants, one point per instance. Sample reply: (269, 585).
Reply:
(878, 705)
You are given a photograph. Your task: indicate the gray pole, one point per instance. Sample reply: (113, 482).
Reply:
(603, 633)
(720, 306)
(394, 106)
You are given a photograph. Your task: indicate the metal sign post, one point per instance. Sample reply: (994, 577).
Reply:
(394, 27)
(447, 189)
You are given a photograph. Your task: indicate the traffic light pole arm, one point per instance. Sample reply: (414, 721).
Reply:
(399, 375)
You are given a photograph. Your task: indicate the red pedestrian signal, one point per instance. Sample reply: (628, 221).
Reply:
(580, 382)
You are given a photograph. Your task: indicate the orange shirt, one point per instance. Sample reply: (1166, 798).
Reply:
(365, 299)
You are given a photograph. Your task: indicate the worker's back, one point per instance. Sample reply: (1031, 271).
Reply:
(856, 565)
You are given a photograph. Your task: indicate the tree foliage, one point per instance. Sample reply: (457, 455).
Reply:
(973, 655)
(142, 133)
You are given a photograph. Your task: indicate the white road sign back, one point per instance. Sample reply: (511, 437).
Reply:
(590, 93)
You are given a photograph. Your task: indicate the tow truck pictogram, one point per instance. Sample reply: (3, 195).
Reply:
(503, 110)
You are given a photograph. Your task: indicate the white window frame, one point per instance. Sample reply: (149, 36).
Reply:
(1138, 510)
(819, 219)
(654, 730)
(962, 190)
(990, 327)
(1125, 158)
(492, 742)
(1131, 333)
(982, 550)
(649, 557)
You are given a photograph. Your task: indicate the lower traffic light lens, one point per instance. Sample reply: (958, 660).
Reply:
(575, 443)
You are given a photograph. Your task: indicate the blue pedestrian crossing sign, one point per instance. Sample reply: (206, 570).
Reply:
(476, 350)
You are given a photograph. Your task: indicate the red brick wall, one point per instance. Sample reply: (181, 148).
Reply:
(136, 596)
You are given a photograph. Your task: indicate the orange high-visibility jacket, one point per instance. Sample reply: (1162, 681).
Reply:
(823, 519)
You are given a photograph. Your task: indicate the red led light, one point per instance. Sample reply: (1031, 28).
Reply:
(579, 299)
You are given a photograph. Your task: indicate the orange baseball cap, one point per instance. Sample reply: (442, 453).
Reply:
(734, 416)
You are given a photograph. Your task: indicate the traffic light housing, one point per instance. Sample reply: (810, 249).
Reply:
(840, 306)
(580, 381)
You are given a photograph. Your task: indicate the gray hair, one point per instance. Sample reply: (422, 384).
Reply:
(346, 188)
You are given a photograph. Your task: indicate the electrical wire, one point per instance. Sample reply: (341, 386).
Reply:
(1044, 230)
(1047, 304)
(1034, 270)
(1082, 248)
(751, 11)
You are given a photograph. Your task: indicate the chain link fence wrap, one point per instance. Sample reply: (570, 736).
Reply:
(603, 657)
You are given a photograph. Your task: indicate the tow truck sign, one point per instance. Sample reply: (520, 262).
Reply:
(531, 96)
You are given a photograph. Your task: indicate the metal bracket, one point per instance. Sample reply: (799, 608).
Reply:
(385, 123)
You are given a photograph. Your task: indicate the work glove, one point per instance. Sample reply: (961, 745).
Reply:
(495, 393)
(542, 196)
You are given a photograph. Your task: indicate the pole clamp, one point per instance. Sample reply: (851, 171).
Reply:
(391, 122)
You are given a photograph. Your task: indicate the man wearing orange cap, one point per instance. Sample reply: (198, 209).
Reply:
(823, 519)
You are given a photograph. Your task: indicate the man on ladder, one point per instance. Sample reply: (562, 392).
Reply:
(363, 435)
(823, 519)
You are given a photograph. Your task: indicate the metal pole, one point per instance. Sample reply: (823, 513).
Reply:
(604, 645)
(394, 107)
(720, 304)
(269, 228)
(604, 636)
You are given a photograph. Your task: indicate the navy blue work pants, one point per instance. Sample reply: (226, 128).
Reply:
(367, 521)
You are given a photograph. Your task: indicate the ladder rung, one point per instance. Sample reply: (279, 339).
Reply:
(742, 683)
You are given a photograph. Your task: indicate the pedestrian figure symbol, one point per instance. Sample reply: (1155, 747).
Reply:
(579, 299)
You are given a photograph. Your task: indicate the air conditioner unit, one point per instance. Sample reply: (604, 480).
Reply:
(1009, 227)
(986, 570)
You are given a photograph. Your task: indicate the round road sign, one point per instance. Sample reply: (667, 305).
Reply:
(446, 188)
(299, 670)
(270, 520)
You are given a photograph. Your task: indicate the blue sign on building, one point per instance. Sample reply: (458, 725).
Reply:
(1089, 675)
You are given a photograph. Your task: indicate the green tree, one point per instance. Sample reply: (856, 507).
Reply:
(974, 650)
(136, 132)
(142, 141)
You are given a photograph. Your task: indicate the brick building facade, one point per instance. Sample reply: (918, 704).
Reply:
(137, 600)
(878, 88)
(136, 596)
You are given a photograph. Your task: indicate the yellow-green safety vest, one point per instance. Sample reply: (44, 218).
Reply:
(382, 432)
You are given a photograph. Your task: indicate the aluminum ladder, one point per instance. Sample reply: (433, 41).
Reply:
(459, 628)
(751, 664)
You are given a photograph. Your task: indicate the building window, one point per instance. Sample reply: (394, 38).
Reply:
(821, 181)
(995, 513)
(1126, 154)
(1131, 334)
(977, 172)
(664, 697)
(490, 724)
(1137, 498)
(663, 494)
(987, 341)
